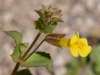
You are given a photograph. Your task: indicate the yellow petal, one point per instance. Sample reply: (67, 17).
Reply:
(74, 52)
(73, 39)
(64, 42)
(84, 40)
(84, 52)
(77, 33)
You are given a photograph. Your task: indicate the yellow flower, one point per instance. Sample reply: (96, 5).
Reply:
(76, 45)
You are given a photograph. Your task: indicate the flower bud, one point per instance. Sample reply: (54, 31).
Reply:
(54, 39)
(48, 19)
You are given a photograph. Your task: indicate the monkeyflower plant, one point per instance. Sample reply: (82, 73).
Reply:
(46, 23)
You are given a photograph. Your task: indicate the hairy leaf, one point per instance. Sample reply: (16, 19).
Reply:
(38, 59)
(17, 36)
(20, 47)
(23, 46)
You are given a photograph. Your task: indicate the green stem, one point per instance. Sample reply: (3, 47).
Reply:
(15, 69)
(34, 50)
(38, 35)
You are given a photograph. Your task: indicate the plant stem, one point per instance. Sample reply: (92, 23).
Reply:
(34, 50)
(38, 35)
(17, 65)
(15, 69)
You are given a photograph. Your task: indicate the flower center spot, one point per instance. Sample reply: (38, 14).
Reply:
(79, 44)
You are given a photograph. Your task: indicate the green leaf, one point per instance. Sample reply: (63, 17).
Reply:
(38, 59)
(23, 46)
(97, 68)
(90, 73)
(18, 51)
(39, 13)
(43, 27)
(15, 55)
(95, 54)
(83, 61)
(17, 36)
(24, 72)
(48, 29)
(73, 64)
(95, 57)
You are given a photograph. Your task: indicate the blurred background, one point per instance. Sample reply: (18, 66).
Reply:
(81, 15)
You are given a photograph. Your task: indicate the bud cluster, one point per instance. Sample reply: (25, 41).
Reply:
(48, 19)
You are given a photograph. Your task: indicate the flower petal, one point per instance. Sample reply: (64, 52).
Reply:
(74, 52)
(84, 52)
(84, 40)
(64, 42)
(77, 33)
(73, 39)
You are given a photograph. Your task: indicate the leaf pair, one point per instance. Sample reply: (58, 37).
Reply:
(35, 60)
